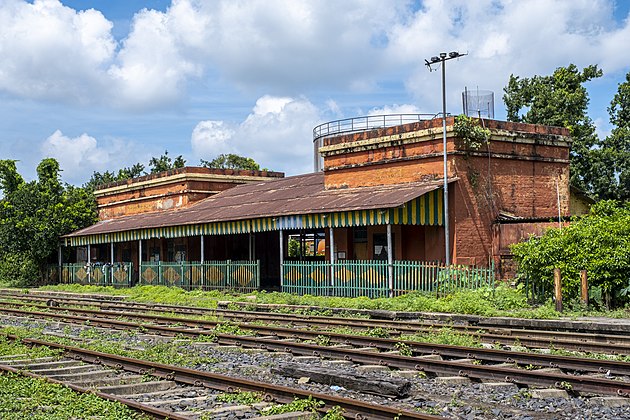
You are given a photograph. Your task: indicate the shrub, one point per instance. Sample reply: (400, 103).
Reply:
(18, 269)
(598, 243)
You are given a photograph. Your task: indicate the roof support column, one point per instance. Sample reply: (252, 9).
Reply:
(89, 263)
(390, 261)
(331, 248)
(59, 261)
(249, 245)
(111, 261)
(139, 260)
(202, 259)
(281, 234)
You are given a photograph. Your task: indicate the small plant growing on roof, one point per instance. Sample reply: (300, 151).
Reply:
(470, 132)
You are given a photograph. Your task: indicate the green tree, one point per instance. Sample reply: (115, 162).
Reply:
(598, 243)
(165, 163)
(611, 161)
(294, 248)
(231, 161)
(10, 180)
(33, 215)
(106, 177)
(559, 100)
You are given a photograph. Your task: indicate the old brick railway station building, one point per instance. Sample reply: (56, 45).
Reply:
(375, 208)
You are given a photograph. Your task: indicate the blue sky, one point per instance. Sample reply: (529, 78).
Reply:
(101, 84)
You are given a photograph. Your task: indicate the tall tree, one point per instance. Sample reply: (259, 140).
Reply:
(611, 174)
(231, 161)
(559, 100)
(33, 215)
(165, 163)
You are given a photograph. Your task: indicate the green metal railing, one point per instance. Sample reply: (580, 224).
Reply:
(371, 278)
(116, 274)
(243, 276)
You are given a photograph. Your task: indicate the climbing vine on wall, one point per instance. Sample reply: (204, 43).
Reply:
(471, 134)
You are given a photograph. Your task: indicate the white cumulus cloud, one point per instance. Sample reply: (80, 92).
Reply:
(289, 48)
(53, 52)
(80, 156)
(277, 134)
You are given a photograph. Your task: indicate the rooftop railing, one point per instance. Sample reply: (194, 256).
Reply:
(369, 122)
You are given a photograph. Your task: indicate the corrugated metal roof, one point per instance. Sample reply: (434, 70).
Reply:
(302, 194)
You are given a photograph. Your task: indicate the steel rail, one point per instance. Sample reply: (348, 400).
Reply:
(530, 342)
(523, 377)
(354, 409)
(401, 326)
(384, 344)
(143, 408)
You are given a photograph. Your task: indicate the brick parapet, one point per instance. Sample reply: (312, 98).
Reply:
(191, 170)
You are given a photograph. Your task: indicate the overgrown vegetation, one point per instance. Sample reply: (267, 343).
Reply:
(232, 161)
(29, 398)
(500, 301)
(165, 353)
(11, 348)
(598, 243)
(244, 398)
(156, 164)
(33, 215)
(444, 335)
(470, 132)
(305, 404)
(23, 397)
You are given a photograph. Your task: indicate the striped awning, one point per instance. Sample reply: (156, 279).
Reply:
(428, 209)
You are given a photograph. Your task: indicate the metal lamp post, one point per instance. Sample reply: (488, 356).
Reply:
(435, 60)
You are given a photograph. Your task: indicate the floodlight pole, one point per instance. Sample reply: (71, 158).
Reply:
(434, 60)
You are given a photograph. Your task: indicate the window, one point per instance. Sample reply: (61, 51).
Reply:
(380, 246)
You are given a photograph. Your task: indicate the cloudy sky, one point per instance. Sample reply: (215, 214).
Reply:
(102, 84)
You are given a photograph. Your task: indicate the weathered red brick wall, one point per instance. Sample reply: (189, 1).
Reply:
(519, 174)
(156, 192)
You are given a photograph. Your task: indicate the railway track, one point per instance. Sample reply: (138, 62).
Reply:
(574, 374)
(612, 342)
(621, 346)
(119, 378)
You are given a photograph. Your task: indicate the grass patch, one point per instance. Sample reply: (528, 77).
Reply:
(500, 301)
(444, 335)
(11, 348)
(240, 398)
(30, 398)
(165, 353)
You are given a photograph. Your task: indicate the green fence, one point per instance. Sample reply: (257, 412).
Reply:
(371, 278)
(243, 276)
(116, 274)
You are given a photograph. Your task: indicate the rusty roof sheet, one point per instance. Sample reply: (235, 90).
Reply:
(302, 194)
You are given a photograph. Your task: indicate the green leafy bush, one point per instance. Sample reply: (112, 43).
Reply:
(18, 269)
(598, 243)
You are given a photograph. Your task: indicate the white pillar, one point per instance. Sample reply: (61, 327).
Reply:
(89, 262)
(331, 248)
(111, 260)
(281, 258)
(139, 260)
(202, 259)
(390, 261)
